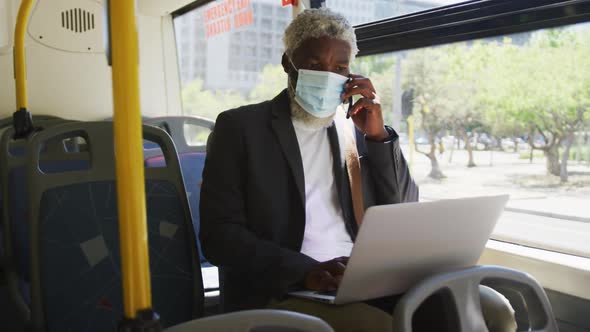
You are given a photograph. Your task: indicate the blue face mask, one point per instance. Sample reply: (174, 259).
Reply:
(318, 92)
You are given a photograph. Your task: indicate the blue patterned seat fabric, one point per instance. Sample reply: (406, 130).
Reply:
(18, 221)
(17, 184)
(191, 164)
(80, 272)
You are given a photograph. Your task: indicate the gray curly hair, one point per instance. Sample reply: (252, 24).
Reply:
(316, 23)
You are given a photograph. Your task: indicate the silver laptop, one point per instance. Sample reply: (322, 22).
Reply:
(400, 244)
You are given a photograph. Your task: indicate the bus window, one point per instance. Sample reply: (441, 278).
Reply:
(507, 114)
(229, 55)
(365, 11)
(196, 135)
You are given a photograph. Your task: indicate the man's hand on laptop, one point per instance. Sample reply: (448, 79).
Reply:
(326, 276)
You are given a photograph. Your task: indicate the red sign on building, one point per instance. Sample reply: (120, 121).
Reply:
(225, 15)
(289, 2)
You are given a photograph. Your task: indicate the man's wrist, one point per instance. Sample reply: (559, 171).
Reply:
(385, 136)
(378, 137)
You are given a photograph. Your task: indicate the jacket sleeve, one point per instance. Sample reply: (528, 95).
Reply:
(225, 236)
(388, 171)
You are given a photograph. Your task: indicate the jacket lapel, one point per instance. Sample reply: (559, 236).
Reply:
(283, 128)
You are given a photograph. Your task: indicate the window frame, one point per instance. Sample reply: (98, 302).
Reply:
(456, 22)
(467, 21)
(190, 7)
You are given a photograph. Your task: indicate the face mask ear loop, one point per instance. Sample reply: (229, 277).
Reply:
(294, 75)
(292, 64)
(290, 83)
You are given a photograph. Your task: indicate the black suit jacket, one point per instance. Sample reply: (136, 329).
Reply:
(253, 199)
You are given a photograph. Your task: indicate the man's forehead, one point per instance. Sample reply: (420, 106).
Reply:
(319, 48)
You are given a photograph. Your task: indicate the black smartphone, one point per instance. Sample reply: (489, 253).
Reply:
(349, 107)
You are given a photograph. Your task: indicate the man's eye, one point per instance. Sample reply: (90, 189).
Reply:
(315, 66)
(341, 69)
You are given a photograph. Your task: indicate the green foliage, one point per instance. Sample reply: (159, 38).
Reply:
(207, 103)
(427, 73)
(503, 88)
(372, 65)
(271, 82)
(546, 84)
(584, 154)
(541, 88)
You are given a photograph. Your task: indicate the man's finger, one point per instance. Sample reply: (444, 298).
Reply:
(327, 281)
(336, 268)
(360, 80)
(363, 103)
(364, 91)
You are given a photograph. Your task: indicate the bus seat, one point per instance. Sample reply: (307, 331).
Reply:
(178, 126)
(192, 164)
(75, 270)
(462, 286)
(13, 197)
(17, 191)
(256, 321)
(6, 124)
(192, 158)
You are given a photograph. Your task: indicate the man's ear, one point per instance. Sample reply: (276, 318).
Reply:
(285, 63)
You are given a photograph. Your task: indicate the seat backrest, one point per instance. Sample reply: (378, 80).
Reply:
(191, 156)
(463, 288)
(175, 126)
(13, 199)
(192, 164)
(75, 265)
(17, 150)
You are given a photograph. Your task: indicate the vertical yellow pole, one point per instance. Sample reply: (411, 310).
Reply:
(411, 139)
(20, 70)
(129, 158)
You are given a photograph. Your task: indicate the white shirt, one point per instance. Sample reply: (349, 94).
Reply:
(325, 234)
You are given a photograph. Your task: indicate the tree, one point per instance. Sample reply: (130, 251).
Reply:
(546, 86)
(425, 73)
(465, 110)
(444, 80)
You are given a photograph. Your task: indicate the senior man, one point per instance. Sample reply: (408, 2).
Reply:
(286, 183)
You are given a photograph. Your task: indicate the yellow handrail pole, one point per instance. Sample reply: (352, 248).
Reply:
(129, 158)
(20, 70)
